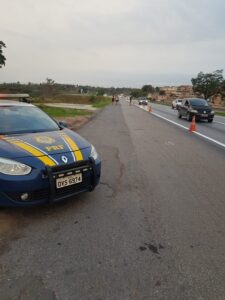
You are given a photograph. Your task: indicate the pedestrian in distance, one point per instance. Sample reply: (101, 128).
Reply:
(113, 99)
(117, 99)
(131, 98)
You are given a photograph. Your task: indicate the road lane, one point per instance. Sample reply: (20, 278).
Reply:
(153, 229)
(215, 130)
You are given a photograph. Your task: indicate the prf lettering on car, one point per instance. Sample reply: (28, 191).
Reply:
(54, 148)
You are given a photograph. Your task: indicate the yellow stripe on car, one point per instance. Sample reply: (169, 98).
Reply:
(35, 152)
(73, 147)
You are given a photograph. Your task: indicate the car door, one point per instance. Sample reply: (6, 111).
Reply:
(185, 108)
(181, 108)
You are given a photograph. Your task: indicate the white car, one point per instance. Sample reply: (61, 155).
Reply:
(176, 103)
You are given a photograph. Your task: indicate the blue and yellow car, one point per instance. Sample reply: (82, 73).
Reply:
(41, 161)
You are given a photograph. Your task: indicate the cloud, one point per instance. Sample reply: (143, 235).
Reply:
(149, 38)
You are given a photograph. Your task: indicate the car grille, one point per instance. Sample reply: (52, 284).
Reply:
(203, 111)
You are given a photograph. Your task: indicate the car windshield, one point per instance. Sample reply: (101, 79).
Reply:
(24, 119)
(198, 102)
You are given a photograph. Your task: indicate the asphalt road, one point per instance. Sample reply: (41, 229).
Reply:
(153, 229)
(215, 130)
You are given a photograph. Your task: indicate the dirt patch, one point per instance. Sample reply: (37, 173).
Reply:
(6, 223)
(26, 287)
(10, 223)
(75, 123)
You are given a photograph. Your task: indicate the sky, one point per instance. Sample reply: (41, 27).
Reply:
(112, 42)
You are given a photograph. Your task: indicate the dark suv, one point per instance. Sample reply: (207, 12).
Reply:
(196, 107)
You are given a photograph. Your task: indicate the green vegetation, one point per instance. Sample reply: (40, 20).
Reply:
(49, 88)
(100, 102)
(74, 98)
(63, 112)
(209, 84)
(220, 113)
(148, 89)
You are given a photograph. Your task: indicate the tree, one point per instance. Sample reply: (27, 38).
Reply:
(148, 89)
(208, 84)
(48, 87)
(2, 57)
(100, 92)
(137, 93)
(50, 81)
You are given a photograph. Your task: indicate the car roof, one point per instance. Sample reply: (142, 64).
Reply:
(13, 103)
(195, 99)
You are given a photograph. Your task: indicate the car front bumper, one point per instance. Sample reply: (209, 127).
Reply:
(41, 186)
(202, 117)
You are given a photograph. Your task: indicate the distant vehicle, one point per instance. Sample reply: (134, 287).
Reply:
(142, 101)
(196, 107)
(176, 103)
(41, 161)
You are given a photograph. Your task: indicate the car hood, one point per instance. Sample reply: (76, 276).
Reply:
(41, 144)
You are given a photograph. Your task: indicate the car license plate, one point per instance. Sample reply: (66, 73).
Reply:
(204, 115)
(68, 180)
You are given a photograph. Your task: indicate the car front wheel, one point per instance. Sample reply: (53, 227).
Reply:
(210, 120)
(189, 117)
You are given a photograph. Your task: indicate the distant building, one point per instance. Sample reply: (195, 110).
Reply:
(169, 93)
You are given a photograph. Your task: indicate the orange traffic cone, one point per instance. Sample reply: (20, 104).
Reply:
(149, 108)
(192, 127)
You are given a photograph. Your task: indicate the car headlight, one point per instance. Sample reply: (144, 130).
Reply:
(94, 153)
(212, 112)
(194, 111)
(11, 167)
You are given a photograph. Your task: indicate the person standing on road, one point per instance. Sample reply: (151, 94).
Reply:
(117, 99)
(131, 100)
(113, 99)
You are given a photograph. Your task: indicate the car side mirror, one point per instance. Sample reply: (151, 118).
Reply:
(62, 124)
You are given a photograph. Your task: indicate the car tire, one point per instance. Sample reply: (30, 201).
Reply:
(172, 107)
(189, 117)
(210, 120)
(179, 115)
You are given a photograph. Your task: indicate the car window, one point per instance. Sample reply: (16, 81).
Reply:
(18, 119)
(199, 102)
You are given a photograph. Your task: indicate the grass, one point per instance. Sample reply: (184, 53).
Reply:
(220, 113)
(64, 112)
(102, 104)
(72, 98)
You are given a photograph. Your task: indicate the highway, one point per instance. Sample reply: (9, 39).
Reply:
(153, 229)
(215, 130)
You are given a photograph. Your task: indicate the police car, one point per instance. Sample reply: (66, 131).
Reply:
(41, 161)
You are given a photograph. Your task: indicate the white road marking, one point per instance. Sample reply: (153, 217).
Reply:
(184, 127)
(219, 122)
(210, 139)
